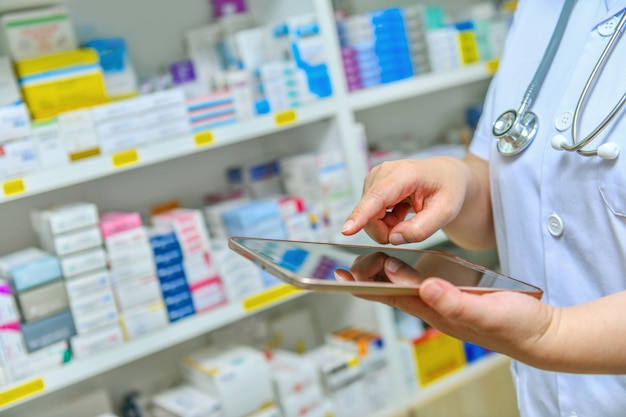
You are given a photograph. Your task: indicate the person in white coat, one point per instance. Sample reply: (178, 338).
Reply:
(558, 218)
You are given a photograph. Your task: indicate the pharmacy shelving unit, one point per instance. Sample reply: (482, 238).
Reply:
(183, 166)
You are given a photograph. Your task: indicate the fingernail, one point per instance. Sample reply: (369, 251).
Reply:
(392, 264)
(430, 292)
(347, 226)
(396, 239)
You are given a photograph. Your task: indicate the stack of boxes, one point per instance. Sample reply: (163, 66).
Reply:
(285, 86)
(135, 285)
(76, 240)
(297, 385)
(189, 279)
(369, 348)
(375, 48)
(140, 121)
(227, 372)
(342, 378)
(40, 340)
(210, 111)
(321, 180)
(17, 151)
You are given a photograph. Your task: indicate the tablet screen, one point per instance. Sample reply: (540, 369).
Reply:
(339, 267)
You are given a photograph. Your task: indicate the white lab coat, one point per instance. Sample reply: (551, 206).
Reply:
(560, 217)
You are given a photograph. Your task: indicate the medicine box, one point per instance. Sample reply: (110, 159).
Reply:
(89, 283)
(72, 242)
(12, 346)
(49, 145)
(9, 91)
(8, 309)
(227, 372)
(14, 120)
(64, 218)
(83, 262)
(29, 268)
(186, 401)
(18, 157)
(49, 330)
(42, 301)
(143, 319)
(61, 82)
(96, 341)
(37, 32)
(35, 363)
(437, 355)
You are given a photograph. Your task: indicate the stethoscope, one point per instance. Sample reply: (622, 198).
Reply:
(515, 130)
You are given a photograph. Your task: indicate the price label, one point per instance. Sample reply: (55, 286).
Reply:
(21, 391)
(13, 187)
(492, 65)
(125, 158)
(286, 117)
(468, 46)
(268, 297)
(203, 138)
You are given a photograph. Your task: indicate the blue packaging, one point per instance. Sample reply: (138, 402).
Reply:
(49, 330)
(35, 273)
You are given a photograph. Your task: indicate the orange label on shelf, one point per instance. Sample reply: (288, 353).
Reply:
(268, 297)
(203, 138)
(13, 187)
(285, 117)
(125, 158)
(21, 391)
(492, 65)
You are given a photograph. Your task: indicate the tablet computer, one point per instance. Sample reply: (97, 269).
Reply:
(360, 269)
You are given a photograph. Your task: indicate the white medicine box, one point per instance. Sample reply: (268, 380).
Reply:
(239, 376)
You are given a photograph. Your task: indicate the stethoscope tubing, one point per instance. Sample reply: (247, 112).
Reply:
(578, 145)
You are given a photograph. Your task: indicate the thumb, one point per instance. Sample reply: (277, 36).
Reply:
(443, 297)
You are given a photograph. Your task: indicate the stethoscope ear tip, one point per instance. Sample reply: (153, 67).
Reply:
(558, 142)
(609, 150)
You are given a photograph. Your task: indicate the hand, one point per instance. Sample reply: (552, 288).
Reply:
(512, 323)
(372, 268)
(434, 189)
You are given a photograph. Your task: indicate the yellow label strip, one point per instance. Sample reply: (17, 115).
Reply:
(285, 117)
(21, 391)
(13, 187)
(268, 297)
(203, 138)
(125, 158)
(492, 65)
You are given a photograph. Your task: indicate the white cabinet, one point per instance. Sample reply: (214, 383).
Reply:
(185, 168)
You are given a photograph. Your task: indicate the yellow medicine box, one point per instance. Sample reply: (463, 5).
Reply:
(437, 355)
(61, 82)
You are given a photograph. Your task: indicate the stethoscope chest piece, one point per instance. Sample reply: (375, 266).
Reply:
(515, 133)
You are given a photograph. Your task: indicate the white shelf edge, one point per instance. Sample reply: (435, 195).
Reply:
(13, 5)
(83, 369)
(416, 86)
(458, 379)
(102, 166)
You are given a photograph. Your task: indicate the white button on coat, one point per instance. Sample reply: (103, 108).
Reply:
(555, 225)
(608, 26)
(564, 121)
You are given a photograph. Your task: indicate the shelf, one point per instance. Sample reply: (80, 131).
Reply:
(419, 85)
(449, 383)
(101, 166)
(10, 5)
(174, 334)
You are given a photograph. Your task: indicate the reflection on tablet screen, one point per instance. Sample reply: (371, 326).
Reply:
(345, 263)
